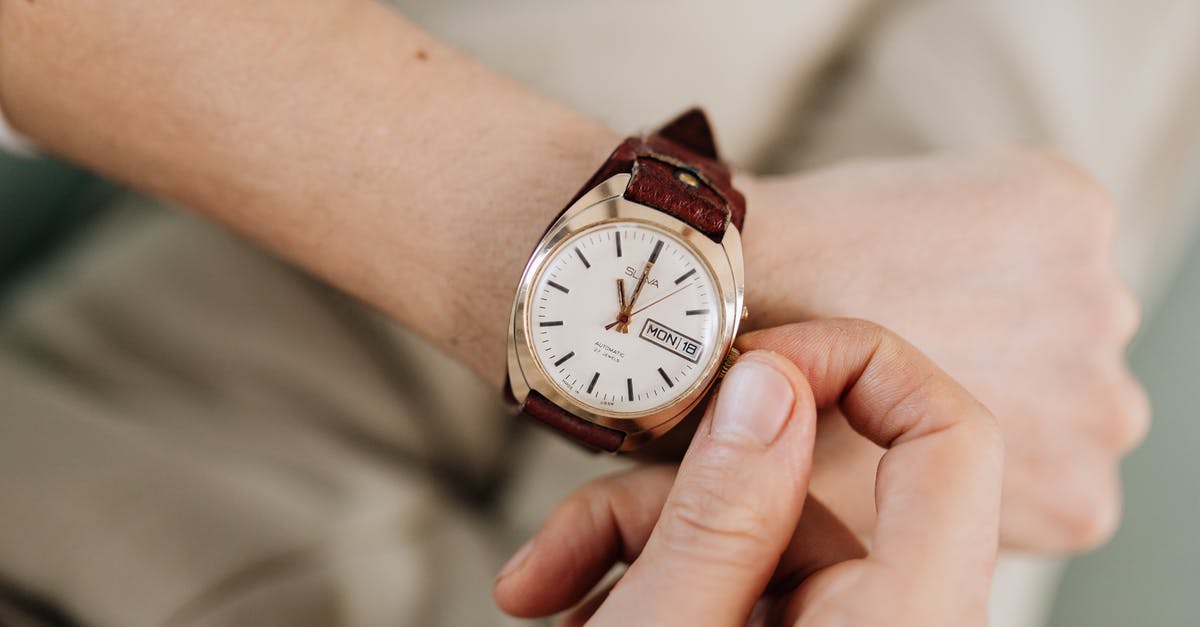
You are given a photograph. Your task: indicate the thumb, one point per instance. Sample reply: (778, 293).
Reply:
(733, 507)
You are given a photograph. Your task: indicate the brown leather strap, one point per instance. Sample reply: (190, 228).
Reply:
(677, 171)
(588, 434)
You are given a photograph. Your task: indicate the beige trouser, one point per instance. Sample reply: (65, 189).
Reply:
(194, 434)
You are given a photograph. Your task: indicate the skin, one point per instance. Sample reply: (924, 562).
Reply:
(997, 265)
(704, 544)
(345, 139)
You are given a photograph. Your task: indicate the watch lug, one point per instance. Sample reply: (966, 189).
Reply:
(611, 187)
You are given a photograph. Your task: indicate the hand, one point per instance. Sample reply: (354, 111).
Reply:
(998, 266)
(621, 306)
(622, 322)
(630, 315)
(726, 536)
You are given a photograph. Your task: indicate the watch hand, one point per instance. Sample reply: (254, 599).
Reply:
(623, 325)
(641, 309)
(623, 309)
(641, 283)
(633, 313)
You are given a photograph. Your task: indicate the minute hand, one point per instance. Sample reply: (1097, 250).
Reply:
(641, 283)
(623, 318)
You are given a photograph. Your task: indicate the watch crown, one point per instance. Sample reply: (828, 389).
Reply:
(745, 312)
(730, 358)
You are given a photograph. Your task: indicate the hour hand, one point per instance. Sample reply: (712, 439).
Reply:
(622, 321)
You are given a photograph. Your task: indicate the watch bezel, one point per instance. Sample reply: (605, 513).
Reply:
(602, 204)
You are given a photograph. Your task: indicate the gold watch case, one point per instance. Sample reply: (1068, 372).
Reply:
(605, 203)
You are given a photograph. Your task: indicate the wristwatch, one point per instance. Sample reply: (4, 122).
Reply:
(626, 312)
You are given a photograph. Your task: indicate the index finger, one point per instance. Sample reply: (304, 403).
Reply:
(937, 491)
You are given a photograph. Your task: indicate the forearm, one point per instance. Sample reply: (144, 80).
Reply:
(335, 133)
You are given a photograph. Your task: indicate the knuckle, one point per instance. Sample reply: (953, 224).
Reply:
(1060, 186)
(711, 518)
(1091, 517)
(1115, 317)
(863, 333)
(1126, 314)
(1067, 176)
(607, 492)
(847, 330)
(844, 333)
(1131, 420)
(1093, 520)
(578, 505)
(700, 527)
(989, 436)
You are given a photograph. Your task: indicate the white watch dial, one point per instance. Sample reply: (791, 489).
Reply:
(635, 359)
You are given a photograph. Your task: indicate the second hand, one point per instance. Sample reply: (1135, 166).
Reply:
(640, 310)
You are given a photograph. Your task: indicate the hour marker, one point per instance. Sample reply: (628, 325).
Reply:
(657, 249)
(685, 276)
(629, 387)
(592, 385)
(558, 287)
(582, 258)
(618, 243)
(563, 359)
(695, 312)
(670, 384)
(551, 323)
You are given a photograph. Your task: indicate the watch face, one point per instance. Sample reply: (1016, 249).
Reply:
(624, 317)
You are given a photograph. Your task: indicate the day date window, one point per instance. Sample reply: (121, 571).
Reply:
(667, 338)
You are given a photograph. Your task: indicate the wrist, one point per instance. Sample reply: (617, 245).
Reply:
(775, 240)
(545, 164)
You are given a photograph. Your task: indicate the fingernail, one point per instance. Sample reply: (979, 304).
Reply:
(754, 402)
(516, 560)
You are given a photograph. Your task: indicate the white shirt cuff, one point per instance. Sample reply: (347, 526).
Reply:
(12, 141)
